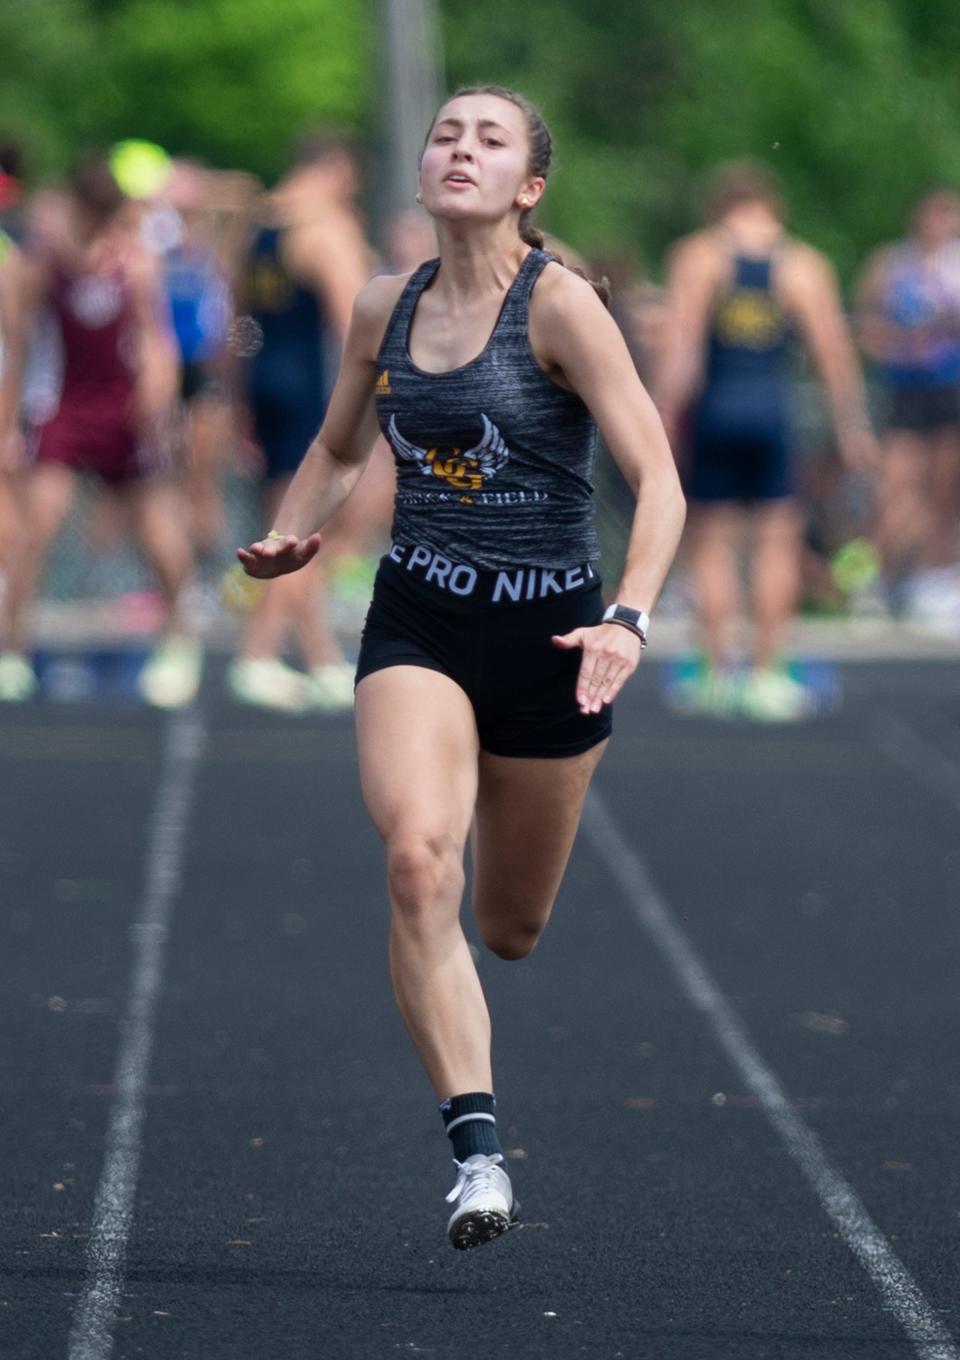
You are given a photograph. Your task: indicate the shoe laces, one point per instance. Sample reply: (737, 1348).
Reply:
(474, 1174)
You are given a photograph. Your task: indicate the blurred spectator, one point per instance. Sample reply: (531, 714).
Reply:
(908, 312)
(11, 234)
(737, 291)
(12, 199)
(306, 263)
(638, 305)
(201, 307)
(112, 416)
(410, 239)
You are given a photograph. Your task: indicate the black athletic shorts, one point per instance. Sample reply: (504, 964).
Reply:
(490, 632)
(922, 409)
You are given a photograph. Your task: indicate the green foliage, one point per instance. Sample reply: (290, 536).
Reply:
(49, 60)
(853, 103)
(233, 81)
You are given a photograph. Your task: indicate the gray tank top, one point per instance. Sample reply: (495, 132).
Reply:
(494, 460)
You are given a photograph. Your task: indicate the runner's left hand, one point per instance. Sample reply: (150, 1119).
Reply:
(611, 653)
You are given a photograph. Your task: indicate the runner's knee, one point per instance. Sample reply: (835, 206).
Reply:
(423, 872)
(511, 940)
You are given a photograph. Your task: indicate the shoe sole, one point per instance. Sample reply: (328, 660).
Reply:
(483, 1225)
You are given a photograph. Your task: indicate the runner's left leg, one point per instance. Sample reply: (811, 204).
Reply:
(159, 516)
(528, 811)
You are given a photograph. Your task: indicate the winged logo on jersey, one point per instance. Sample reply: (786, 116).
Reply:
(466, 470)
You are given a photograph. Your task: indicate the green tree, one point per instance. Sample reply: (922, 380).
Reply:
(853, 103)
(229, 80)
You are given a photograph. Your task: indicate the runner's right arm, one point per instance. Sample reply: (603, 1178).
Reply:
(339, 453)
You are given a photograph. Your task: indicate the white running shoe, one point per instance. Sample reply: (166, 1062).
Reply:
(267, 682)
(484, 1198)
(17, 678)
(171, 677)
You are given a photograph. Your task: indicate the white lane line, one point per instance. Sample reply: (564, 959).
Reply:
(899, 1292)
(906, 748)
(91, 1337)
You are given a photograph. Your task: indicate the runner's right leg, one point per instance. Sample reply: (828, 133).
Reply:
(418, 750)
(775, 576)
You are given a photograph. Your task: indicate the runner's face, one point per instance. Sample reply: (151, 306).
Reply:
(474, 166)
(937, 218)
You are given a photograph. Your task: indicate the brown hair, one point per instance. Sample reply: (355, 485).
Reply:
(539, 162)
(92, 184)
(733, 183)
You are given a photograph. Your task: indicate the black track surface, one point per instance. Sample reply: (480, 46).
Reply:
(290, 1199)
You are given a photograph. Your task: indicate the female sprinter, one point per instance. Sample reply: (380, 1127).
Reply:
(488, 664)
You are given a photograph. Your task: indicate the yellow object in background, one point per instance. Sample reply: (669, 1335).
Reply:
(140, 168)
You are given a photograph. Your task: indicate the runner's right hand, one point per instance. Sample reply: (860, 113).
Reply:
(271, 557)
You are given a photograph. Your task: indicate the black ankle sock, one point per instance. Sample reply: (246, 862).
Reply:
(470, 1122)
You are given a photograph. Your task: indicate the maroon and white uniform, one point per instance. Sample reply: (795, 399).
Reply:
(95, 425)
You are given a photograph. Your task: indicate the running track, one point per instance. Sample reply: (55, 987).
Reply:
(728, 1078)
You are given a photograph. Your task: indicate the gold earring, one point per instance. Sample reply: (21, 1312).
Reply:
(524, 203)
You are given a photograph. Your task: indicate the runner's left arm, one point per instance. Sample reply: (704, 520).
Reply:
(580, 345)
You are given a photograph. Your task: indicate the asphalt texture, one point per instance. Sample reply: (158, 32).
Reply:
(291, 1164)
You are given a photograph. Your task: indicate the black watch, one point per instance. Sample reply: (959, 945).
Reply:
(635, 619)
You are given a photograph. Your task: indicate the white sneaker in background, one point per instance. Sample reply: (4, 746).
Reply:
(770, 695)
(171, 677)
(331, 687)
(484, 1199)
(17, 678)
(267, 682)
(933, 599)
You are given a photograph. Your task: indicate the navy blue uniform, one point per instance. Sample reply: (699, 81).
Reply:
(286, 378)
(741, 444)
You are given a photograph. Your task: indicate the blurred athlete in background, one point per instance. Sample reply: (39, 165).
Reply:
(113, 414)
(908, 311)
(12, 228)
(306, 264)
(738, 290)
(201, 309)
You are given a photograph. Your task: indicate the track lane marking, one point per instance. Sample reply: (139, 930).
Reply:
(900, 1293)
(91, 1337)
(903, 746)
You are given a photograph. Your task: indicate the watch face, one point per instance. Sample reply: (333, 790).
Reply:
(633, 618)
